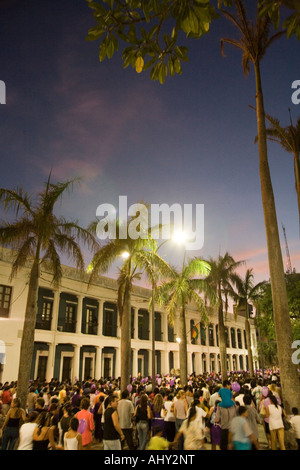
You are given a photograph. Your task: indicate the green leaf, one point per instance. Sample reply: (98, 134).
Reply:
(94, 33)
(110, 49)
(149, 64)
(162, 72)
(102, 51)
(177, 66)
(171, 66)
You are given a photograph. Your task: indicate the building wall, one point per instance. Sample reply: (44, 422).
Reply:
(67, 349)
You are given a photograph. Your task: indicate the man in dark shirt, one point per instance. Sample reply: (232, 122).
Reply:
(112, 432)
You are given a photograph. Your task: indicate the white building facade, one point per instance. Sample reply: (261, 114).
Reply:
(77, 333)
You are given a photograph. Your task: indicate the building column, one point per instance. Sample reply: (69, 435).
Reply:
(176, 360)
(55, 310)
(100, 320)
(189, 363)
(76, 361)
(135, 324)
(216, 362)
(164, 324)
(230, 362)
(164, 359)
(134, 362)
(79, 313)
(118, 362)
(50, 362)
(98, 368)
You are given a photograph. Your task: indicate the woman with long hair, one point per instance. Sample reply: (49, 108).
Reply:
(43, 435)
(180, 413)
(157, 409)
(142, 415)
(191, 430)
(15, 417)
(274, 412)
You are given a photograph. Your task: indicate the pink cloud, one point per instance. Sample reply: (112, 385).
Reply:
(93, 126)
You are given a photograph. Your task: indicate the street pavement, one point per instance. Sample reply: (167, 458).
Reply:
(262, 441)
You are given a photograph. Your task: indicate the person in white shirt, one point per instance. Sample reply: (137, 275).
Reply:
(206, 394)
(274, 412)
(214, 397)
(240, 399)
(201, 414)
(26, 431)
(125, 413)
(169, 418)
(295, 422)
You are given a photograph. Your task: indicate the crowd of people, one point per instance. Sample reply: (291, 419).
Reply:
(207, 413)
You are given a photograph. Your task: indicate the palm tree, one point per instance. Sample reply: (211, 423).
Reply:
(183, 287)
(38, 235)
(254, 42)
(289, 139)
(247, 292)
(130, 250)
(155, 268)
(220, 280)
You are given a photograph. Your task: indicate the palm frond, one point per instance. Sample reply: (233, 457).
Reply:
(53, 258)
(24, 253)
(13, 234)
(106, 256)
(196, 267)
(53, 192)
(199, 302)
(69, 246)
(81, 234)
(255, 38)
(232, 42)
(16, 199)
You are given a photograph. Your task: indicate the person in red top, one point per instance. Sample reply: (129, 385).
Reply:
(6, 398)
(86, 424)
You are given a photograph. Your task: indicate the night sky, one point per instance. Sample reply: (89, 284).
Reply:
(189, 141)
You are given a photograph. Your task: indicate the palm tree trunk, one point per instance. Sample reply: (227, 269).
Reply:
(153, 336)
(248, 338)
(222, 341)
(27, 343)
(288, 370)
(182, 347)
(126, 338)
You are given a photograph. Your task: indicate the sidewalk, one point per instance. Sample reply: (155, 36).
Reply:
(262, 441)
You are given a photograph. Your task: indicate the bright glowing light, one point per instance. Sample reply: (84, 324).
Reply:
(125, 255)
(179, 237)
(178, 340)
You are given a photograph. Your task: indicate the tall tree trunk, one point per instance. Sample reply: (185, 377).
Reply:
(126, 338)
(27, 343)
(288, 370)
(222, 341)
(297, 182)
(153, 372)
(182, 347)
(248, 338)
